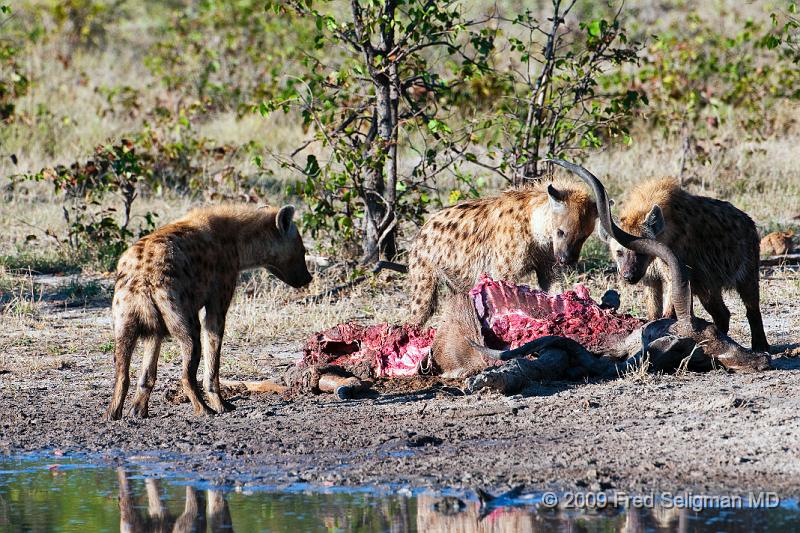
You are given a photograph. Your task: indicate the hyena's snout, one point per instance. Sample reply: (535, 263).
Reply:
(297, 272)
(301, 278)
(296, 276)
(568, 255)
(628, 275)
(567, 258)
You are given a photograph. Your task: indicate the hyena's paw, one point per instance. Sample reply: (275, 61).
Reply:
(219, 405)
(203, 410)
(139, 405)
(113, 414)
(139, 410)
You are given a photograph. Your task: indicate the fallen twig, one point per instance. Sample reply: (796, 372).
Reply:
(786, 259)
(255, 386)
(333, 291)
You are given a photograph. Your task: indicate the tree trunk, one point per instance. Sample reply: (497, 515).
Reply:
(535, 120)
(380, 183)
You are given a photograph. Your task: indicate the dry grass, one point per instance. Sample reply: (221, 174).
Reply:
(760, 177)
(68, 116)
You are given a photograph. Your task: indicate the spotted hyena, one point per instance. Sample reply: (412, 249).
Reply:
(167, 277)
(717, 242)
(507, 236)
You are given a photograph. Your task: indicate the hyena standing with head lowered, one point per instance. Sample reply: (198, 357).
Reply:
(507, 236)
(716, 241)
(167, 277)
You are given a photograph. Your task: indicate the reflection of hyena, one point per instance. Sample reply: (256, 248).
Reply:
(507, 236)
(717, 242)
(167, 277)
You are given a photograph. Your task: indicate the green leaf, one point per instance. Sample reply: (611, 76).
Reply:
(312, 167)
(330, 23)
(437, 126)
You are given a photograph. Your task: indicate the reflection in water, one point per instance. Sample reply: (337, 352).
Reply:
(199, 510)
(78, 496)
(434, 517)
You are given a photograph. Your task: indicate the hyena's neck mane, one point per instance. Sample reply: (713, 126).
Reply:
(534, 205)
(669, 196)
(246, 229)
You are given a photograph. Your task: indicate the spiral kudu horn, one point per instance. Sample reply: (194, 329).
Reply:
(681, 293)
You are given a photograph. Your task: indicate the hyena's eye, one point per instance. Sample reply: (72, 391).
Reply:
(560, 233)
(619, 253)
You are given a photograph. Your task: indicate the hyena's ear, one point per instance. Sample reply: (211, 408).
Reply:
(284, 218)
(601, 232)
(654, 222)
(558, 199)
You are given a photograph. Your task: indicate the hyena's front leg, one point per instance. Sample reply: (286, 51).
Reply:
(423, 284)
(214, 326)
(544, 276)
(654, 299)
(712, 301)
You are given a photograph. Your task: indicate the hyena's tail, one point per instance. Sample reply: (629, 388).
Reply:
(149, 316)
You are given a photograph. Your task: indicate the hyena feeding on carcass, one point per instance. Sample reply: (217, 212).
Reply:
(716, 241)
(167, 277)
(508, 237)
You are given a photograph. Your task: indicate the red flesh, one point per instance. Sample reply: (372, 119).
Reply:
(511, 315)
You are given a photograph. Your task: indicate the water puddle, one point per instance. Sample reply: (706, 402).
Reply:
(40, 492)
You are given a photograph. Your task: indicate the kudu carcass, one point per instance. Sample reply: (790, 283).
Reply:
(666, 342)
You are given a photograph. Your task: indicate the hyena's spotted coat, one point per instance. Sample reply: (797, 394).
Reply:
(508, 236)
(718, 243)
(167, 277)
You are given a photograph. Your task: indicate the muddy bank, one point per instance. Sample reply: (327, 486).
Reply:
(712, 432)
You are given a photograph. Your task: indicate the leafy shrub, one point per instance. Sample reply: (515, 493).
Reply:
(421, 93)
(94, 230)
(226, 55)
(13, 81)
(698, 77)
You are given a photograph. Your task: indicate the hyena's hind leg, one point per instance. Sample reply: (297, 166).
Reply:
(184, 326)
(423, 285)
(749, 292)
(125, 336)
(147, 375)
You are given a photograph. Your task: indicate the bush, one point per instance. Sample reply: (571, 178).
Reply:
(13, 81)
(94, 229)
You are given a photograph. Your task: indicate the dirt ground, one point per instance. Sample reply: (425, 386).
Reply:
(713, 432)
